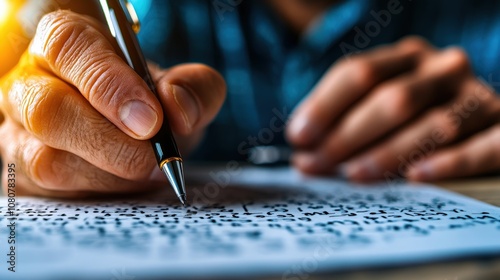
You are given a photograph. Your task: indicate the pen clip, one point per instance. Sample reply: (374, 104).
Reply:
(132, 15)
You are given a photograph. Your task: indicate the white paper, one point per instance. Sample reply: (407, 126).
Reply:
(247, 222)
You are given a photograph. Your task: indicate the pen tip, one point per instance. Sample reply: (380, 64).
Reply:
(175, 174)
(182, 198)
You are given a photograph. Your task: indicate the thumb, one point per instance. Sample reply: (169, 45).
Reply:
(191, 95)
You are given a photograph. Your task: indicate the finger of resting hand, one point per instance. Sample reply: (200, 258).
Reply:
(477, 155)
(410, 145)
(391, 104)
(72, 48)
(345, 83)
(61, 118)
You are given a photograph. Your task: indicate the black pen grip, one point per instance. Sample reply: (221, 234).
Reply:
(163, 142)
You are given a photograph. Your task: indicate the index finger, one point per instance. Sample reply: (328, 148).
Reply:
(73, 48)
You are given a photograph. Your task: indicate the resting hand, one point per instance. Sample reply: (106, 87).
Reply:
(406, 109)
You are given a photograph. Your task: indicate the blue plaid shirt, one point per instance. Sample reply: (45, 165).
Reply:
(268, 70)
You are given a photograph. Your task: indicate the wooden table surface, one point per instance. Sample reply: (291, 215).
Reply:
(484, 189)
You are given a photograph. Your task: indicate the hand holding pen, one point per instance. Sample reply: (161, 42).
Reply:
(87, 117)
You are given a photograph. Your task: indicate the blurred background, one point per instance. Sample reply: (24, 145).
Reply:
(15, 33)
(18, 22)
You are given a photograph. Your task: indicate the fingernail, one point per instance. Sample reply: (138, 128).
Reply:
(421, 172)
(139, 117)
(365, 169)
(187, 103)
(310, 162)
(303, 130)
(341, 170)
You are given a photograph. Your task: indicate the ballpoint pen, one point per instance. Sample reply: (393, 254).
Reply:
(123, 23)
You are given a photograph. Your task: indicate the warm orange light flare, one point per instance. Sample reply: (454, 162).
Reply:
(4, 10)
